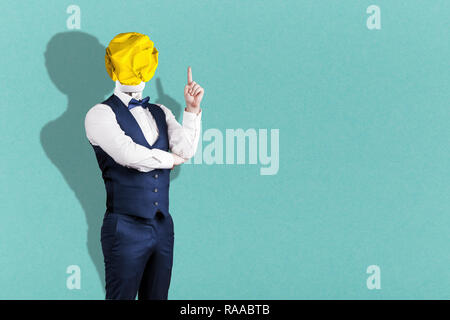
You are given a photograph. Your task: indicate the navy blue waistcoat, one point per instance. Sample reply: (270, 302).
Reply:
(129, 191)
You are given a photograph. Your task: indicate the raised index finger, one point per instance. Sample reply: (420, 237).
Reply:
(189, 75)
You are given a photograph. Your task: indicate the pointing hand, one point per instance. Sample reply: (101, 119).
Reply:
(193, 93)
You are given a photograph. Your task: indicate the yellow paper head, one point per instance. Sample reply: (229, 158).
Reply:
(131, 58)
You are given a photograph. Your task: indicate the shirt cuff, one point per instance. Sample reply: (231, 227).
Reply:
(191, 120)
(164, 158)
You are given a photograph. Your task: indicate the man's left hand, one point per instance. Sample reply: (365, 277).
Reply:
(193, 94)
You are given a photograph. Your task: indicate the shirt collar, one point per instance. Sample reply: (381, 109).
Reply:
(120, 90)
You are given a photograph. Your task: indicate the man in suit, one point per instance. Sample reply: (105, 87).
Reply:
(136, 144)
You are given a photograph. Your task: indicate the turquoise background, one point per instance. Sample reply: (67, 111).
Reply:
(364, 146)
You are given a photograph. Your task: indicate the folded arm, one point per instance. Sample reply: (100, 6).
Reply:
(103, 130)
(183, 139)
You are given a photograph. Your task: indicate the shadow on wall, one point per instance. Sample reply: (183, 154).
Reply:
(75, 64)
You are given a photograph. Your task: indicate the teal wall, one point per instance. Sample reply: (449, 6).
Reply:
(363, 118)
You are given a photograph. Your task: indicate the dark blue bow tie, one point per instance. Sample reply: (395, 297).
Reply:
(134, 103)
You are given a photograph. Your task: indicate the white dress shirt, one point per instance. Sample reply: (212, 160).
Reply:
(103, 130)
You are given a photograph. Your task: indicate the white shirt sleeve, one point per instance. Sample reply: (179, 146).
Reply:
(103, 130)
(183, 139)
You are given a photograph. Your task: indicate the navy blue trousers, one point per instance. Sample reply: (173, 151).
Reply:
(138, 255)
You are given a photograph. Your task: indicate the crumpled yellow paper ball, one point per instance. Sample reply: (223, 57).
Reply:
(131, 58)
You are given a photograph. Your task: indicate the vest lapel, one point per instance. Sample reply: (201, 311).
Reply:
(136, 133)
(159, 117)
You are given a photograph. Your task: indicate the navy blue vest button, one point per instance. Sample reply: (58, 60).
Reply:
(156, 176)
(156, 190)
(156, 203)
